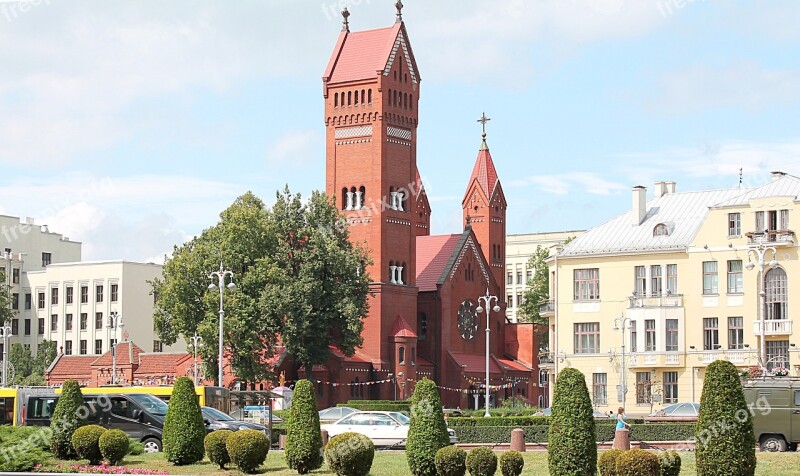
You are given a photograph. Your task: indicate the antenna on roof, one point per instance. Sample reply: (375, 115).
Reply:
(345, 23)
(740, 177)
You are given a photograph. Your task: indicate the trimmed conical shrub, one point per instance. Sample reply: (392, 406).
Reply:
(303, 437)
(725, 443)
(571, 447)
(66, 419)
(184, 430)
(428, 430)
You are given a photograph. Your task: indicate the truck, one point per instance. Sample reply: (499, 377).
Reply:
(774, 403)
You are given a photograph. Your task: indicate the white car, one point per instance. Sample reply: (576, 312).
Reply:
(383, 428)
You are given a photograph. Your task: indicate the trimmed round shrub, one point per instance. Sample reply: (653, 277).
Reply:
(511, 463)
(571, 446)
(481, 461)
(427, 432)
(114, 446)
(66, 419)
(247, 449)
(638, 462)
(607, 465)
(350, 454)
(184, 429)
(451, 461)
(135, 447)
(216, 450)
(303, 436)
(670, 462)
(86, 442)
(724, 439)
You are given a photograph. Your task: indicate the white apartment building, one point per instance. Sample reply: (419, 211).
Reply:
(519, 250)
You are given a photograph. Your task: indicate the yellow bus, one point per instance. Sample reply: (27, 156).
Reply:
(216, 397)
(9, 400)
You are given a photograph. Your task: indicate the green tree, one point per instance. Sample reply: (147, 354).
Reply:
(303, 437)
(725, 442)
(184, 429)
(21, 359)
(29, 370)
(427, 432)
(571, 447)
(66, 419)
(538, 290)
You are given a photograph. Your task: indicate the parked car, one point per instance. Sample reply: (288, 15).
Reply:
(218, 420)
(775, 406)
(383, 428)
(676, 412)
(332, 414)
(549, 412)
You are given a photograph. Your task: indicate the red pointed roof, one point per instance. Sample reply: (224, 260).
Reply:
(484, 171)
(401, 328)
(433, 254)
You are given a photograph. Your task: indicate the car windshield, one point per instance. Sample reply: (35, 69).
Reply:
(149, 403)
(401, 417)
(214, 414)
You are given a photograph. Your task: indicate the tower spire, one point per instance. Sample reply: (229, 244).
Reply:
(345, 22)
(483, 120)
(399, 7)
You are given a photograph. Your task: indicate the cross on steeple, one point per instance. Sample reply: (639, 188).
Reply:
(345, 23)
(483, 120)
(399, 7)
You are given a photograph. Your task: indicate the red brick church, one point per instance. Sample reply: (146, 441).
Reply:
(423, 318)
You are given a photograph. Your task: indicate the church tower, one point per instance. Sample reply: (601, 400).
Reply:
(371, 88)
(484, 207)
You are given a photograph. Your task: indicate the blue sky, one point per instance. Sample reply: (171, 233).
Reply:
(131, 125)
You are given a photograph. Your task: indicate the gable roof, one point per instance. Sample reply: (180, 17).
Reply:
(70, 365)
(438, 257)
(365, 54)
(123, 355)
(785, 186)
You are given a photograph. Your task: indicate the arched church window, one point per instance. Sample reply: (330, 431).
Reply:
(355, 98)
(345, 200)
(401, 355)
(422, 326)
(349, 97)
(363, 97)
(335, 99)
(369, 95)
(362, 197)
(411, 101)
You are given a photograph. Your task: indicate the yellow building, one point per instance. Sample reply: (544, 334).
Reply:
(645, 301)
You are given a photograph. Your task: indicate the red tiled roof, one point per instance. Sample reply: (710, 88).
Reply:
(360, 55)
(123, 355)
(475, 363)
(424, 362)
(159, 363)
(484, 172)
(513, 365)
(433, 254)
(72, 365)
(401, 328)
(355, 358)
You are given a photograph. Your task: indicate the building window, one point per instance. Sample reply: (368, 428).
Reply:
(510, 278)
(98, 346)
(775, 287)
(53, 322)
(710, 333)
(600, 389)
(413, 356)
(777, 354)
(643, 388)
(735, 276)
(84, 321)
(528, 273)
(736, 332)
(519, 276)
(15, 327)
(670, 387)
(27, 327)
(83, 348)
(760, 225)
(640, 283)
(98, 320)
(158, 346)
(710, 277)
(510, 301)
(634, 347)
(47, 258)
(84, 294)
(53, 296)
(70, 294)
(519, 299)
(661, 230)
(656, 280)
(734, 224)
(68, 322)
(671, 337)
(28, 301)
(41, 325)
(649, 335)
(587, 284)
(15, 275)
(15, 301)
(68, 347)
(587, 338)
(114, 292)
(40, 301)
(99, 293)
(422, 326)
(401, 355)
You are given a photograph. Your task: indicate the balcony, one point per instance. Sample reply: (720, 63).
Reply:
(735, 356)
(546, 360)
(667, 300)
(547, 308)
(780, 237)
(773, 327)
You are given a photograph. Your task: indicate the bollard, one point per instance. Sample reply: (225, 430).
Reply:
(282, 442)
(622, 440)
(324, 438)
(518, 440)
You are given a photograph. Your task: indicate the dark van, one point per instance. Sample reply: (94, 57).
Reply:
(141, 415)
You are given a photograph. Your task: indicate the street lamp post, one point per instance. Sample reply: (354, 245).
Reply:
(115, 322)
(759, 251)
(5, 333)
(487, 301)
(220, 275)
(196, 343)
(623, 324)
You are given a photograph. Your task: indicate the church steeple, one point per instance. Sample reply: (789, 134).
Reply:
(484, 208)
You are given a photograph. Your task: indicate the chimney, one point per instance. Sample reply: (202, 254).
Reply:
(660, 190)
(777, 175)
(639, 204)
(670, 187)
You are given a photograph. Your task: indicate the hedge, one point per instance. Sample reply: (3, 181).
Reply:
(678, 431)
(352, 403)
(519, 421)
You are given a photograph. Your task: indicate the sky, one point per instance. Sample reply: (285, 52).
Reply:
(129, 126)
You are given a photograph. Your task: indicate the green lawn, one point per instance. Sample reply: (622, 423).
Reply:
(394, 464)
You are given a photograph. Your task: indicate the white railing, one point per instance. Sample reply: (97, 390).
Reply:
(666, 300)
(650, 359)
(773, 327)
(710, 356)
(736, 356)
(672, 359)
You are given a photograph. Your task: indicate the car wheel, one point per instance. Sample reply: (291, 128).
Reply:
(773, 443)
(152, 445)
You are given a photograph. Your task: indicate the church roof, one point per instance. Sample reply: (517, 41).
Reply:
(124, 355)
(401, 328)
(433, 255)
(484, 171)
